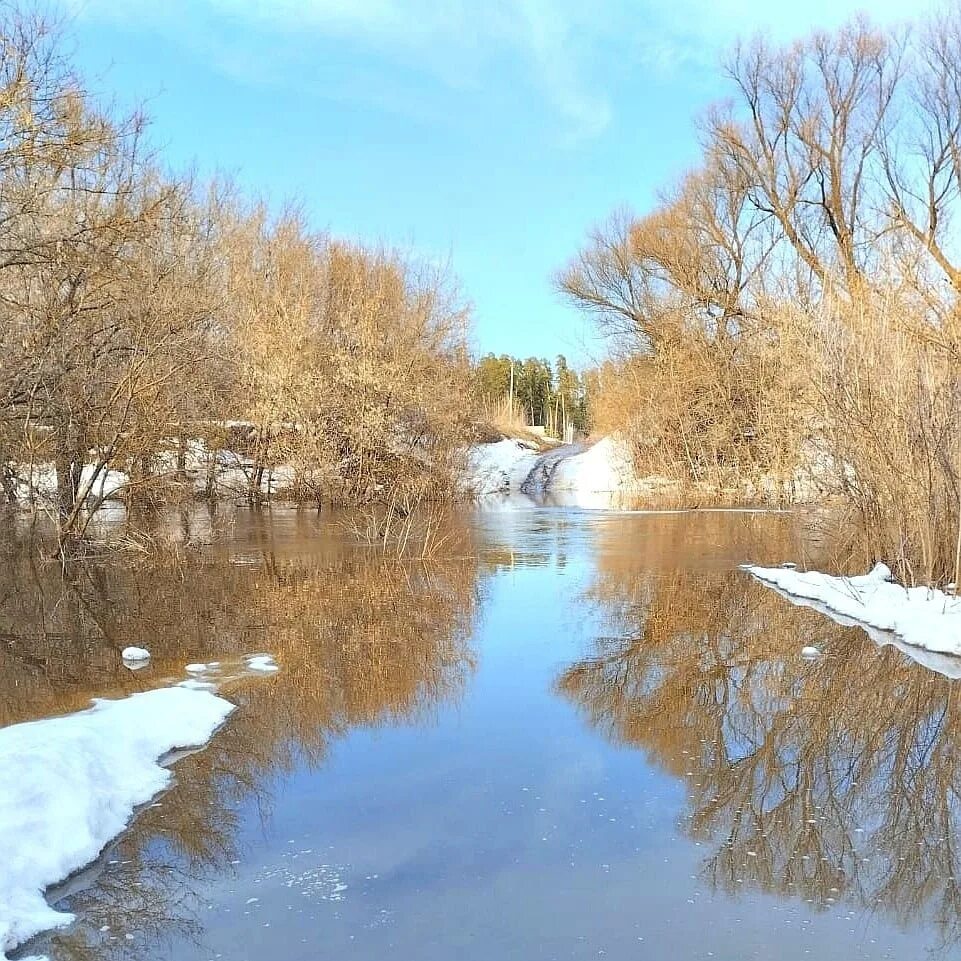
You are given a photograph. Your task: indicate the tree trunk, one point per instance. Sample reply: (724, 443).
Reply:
(68, 477)
(181, 456)
(8, 480)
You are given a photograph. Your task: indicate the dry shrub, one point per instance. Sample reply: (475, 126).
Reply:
(351, 367)
(501, 418)
(142, 314)
(710, 415)
(887, 393)
(789, 313)
(857, 401)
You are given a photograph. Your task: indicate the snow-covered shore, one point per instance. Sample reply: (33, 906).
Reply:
(499, 468)
(921, 617)
(503, 467)
(72, 783)
(605, 467)
(512, 466)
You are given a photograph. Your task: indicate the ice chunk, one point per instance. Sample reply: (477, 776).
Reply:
(262, 662)
(192, 684)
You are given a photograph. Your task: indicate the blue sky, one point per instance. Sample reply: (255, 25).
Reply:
(487, 134)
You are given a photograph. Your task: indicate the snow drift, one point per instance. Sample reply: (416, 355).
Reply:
(499, 468)
(71, 784)
(922, 617)
(512, 466)
(40, 481)
(606, 467)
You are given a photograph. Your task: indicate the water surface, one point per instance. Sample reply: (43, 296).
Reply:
(587, 736)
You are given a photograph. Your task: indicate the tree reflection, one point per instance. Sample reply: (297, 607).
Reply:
(824, 780)
(361, 641)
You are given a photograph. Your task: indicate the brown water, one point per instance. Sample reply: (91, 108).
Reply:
(590, 737)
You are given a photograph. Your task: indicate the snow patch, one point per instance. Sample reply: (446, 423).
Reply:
(39, 480)
(135, 654)
(605, 467)
(71, 784)
(920, 616)
(511, 466)
(194, 685)
(499, 468)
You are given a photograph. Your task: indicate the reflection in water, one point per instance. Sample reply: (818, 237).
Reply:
(814, 795)
(832, 780)
(361, 642)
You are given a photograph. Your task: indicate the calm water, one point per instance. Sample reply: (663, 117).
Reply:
(589, 737)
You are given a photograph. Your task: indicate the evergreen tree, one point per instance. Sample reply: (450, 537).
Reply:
(550, 396)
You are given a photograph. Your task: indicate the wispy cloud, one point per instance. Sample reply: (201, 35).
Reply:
(459, 42)
(561, 45)
(570, 53)
(694, 35)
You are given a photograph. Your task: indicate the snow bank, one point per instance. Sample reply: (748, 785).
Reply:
(231, 475)
(499, 468)
(919, 616)
(607, 466)
(70, 784)
(511, 466)
(41, 481)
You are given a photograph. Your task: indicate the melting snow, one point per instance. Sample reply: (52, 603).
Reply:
(135, 654)
(322, 882)
(192, 684)
(604, 468)
(922, 617)
(71, 784)
(503, 467)
(262, 662)
(499, 468)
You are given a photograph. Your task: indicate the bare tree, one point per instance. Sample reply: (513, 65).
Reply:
(607, 280)
(804, 132)
(920, 146)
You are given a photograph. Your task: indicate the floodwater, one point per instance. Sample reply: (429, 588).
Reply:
(588, 736)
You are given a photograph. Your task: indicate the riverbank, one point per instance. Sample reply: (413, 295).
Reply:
(605, 473)
(515, 466)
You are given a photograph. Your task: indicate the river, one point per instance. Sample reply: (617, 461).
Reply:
(578, 734)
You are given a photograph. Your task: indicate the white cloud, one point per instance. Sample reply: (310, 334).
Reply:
(461, 39)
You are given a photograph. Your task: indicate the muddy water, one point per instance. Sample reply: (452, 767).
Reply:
(590, 736)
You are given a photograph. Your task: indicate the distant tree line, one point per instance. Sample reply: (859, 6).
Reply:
(533, 390)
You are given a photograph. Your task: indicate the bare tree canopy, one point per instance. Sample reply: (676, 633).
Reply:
(786, 318)
(147, 319)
